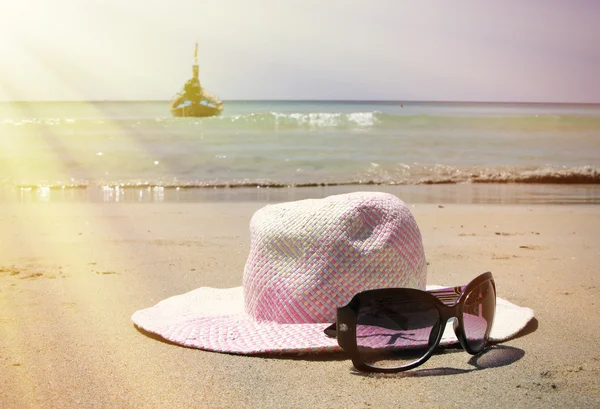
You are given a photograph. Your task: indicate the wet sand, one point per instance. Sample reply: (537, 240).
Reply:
(467, 193)
(71, 275)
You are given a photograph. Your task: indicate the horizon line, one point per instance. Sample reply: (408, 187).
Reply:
(349, 101)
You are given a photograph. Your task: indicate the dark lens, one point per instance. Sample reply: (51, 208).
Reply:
(394, 333)
(478, 315)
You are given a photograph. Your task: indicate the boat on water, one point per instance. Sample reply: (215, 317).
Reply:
(182, 106)
(193, 100)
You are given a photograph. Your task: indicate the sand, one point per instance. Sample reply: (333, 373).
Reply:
(71, 275)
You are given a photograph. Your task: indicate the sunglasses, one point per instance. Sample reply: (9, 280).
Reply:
(396, 329)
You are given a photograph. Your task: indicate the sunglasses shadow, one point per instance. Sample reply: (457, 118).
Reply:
(493, 357)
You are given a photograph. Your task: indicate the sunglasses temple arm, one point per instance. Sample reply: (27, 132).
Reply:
(449, 295)
(331, 331)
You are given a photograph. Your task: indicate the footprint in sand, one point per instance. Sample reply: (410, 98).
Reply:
(503, 256)
(31, 276)
(11, 271)
(500, 233)
(530, 247)
(31, 273)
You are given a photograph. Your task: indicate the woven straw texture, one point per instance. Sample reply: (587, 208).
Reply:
(306, 259)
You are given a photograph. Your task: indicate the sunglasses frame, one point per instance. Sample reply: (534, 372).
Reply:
(448, 301)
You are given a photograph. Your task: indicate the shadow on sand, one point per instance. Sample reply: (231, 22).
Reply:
(493, 357)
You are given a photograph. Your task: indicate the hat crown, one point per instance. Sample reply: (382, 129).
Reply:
(311, 256)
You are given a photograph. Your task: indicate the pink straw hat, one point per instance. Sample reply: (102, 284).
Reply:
(306, 259)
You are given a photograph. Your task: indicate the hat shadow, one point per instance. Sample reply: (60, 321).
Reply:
(306, 356)
(157, 337)
(496, 355)
(531, 327)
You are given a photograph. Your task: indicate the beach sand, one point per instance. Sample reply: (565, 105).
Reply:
(71, 275)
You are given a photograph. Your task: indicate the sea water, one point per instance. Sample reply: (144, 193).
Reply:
(127, 146)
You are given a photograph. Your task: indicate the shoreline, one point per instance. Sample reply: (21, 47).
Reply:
(464, 193)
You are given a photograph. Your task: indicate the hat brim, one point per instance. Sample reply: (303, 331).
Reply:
(214, 319)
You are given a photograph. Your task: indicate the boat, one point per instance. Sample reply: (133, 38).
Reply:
(181, 106)
(193, 100)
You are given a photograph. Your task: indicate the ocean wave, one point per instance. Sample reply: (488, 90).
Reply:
(543, 175)
(415, 175)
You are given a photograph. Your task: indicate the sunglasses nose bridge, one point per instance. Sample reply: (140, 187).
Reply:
(451, 312)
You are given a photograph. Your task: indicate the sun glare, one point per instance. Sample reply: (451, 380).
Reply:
(36, 66)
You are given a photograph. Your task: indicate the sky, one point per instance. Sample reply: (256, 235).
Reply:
(437, 50)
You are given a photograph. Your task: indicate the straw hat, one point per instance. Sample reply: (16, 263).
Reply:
(306, 259)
